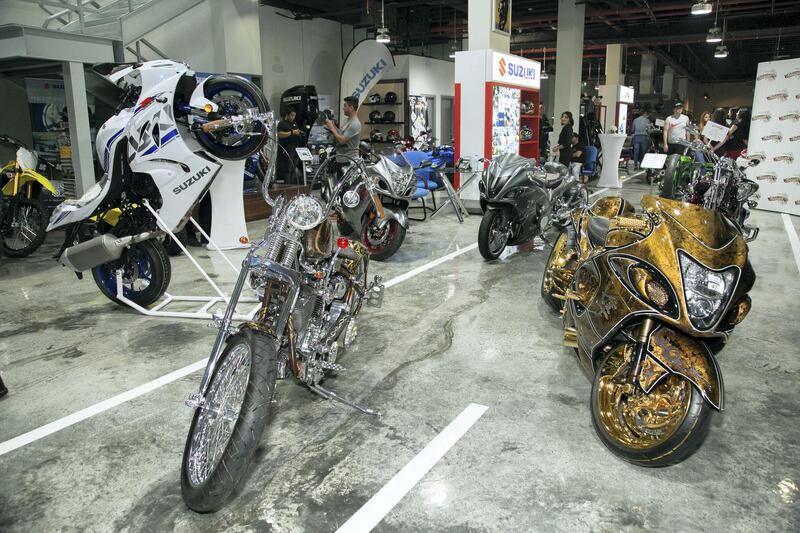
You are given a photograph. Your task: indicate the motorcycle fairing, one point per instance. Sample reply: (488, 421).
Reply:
(505, 173)
(669, 351)
(610, 207)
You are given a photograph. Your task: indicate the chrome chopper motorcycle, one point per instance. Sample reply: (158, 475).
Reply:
(160, 151)
(701, 177)
(648, 300)
(378, 217)
(521, 201)
(313, 288)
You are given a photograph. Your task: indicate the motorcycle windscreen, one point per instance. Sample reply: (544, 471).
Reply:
(506, 171)
(708, 226)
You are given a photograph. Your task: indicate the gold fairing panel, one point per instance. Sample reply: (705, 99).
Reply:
(610, 206)
(684, 356)
(675, 226)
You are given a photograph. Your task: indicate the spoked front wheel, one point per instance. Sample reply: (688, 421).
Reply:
(227, 428)
(661, 428)
(22, 229)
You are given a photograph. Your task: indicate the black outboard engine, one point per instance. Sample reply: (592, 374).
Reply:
(303, 99)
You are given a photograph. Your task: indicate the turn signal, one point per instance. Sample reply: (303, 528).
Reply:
(244, 240)
(318, 275)
(208, 108)
(342, 242)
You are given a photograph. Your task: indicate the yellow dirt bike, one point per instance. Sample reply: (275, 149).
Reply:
(648, 299)
(23, 217)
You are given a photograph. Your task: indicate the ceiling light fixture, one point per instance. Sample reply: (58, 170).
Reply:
(382, 36)
(544, 74)
(453, 47)
(715, 33)
(702, 8)
(721, 51)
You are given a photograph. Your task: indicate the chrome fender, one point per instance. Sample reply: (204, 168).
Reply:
(392, 212)
(670, 352)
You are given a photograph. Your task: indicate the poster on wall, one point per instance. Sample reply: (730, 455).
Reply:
(418, 106)
(505, 120)
(501, 16)
(775, 136)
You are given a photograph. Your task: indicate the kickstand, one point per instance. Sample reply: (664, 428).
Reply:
(330, 395)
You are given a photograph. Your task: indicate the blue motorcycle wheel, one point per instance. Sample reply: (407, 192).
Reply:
(146, 273)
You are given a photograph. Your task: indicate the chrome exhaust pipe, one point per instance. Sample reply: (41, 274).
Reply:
(102, 249)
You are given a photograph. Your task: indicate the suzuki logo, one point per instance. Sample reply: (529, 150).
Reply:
(502, 66)
(186, 184)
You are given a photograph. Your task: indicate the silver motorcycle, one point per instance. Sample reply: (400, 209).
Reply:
(311, 287)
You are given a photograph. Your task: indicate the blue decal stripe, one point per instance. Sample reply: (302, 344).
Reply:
(151, 150)
(108, 147)
(168, 136)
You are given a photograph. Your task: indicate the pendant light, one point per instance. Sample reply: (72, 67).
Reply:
(715, 33)
(721, 51)
(701, 8)
(382, 36)
(453, 47)
(544, 74)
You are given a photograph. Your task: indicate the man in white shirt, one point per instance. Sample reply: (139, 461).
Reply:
(675, 130)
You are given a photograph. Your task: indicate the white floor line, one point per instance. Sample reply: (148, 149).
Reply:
(793, 240)
(622, 180)
(372, 512)
(57, 425)
(411, 273)
(48, 429)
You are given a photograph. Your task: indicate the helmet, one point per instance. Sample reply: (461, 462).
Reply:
(375, 98)
(376, 136)
(375, 116)
(388, 116)
(527, 108)
(390, 98)
(526, 133)
(392, 136)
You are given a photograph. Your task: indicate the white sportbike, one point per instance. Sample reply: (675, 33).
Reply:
(160, 153)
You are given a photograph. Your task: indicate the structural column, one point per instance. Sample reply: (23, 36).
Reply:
(614, 75)
(569, 58)
(668, 83)
(647, 73)
(481, 34)
(682, 88)
(79, 129)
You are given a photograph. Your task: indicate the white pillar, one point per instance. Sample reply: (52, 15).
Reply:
(614, 75)
(79, 129)
(682, 87)
(479, 24)
(668, 84)
(647, 74)
(569, 58)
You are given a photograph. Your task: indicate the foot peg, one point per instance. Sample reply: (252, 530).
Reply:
(374, 295)
(334, 367)
(330, 395)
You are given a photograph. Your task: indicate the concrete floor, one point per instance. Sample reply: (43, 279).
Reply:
(465, 331)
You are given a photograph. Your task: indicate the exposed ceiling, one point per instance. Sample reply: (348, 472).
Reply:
(755, 30)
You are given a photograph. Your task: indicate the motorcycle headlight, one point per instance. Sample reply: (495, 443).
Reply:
(304, 212)
(707, 291)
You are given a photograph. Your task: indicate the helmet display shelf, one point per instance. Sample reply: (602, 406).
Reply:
(385, 108)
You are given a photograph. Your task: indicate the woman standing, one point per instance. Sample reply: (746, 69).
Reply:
(564, 146)
(736, 139)
(705, 118)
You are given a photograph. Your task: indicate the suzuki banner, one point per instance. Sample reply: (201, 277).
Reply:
(514, 70)
(364, 66)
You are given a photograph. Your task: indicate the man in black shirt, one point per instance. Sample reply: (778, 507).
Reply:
(576, 162)
(289, 138)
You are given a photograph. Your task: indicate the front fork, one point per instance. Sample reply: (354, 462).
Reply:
(640, 350)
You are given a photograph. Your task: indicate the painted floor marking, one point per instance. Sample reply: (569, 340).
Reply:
(377, 507)
(69, 420)
(793, 240)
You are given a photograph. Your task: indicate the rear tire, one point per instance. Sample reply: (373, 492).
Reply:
(146, 274)
(207, 491)
(20, 236)
(491, 250)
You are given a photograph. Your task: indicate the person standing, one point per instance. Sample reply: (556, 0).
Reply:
(348, 135)
(641, 137)
(564, 146)
(289, 138)
(675, 130)
(736, 139)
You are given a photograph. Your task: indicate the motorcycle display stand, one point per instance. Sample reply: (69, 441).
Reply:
(205, 311)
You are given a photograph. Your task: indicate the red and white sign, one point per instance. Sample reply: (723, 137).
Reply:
(514, 70)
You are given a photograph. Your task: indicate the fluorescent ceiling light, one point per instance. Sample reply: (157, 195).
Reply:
(714, 35)
(701, 8)
(382, 36)
(544, 75)
(721, 51)
(453, 50)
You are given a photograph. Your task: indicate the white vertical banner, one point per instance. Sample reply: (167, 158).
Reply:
(775, 136)
(364, 66)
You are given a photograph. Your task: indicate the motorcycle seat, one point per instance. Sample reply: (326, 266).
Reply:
(597, 229)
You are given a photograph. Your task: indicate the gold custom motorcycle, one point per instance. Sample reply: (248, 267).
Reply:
(647, 300)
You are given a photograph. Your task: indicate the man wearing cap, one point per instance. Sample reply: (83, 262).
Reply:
(675, 130)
